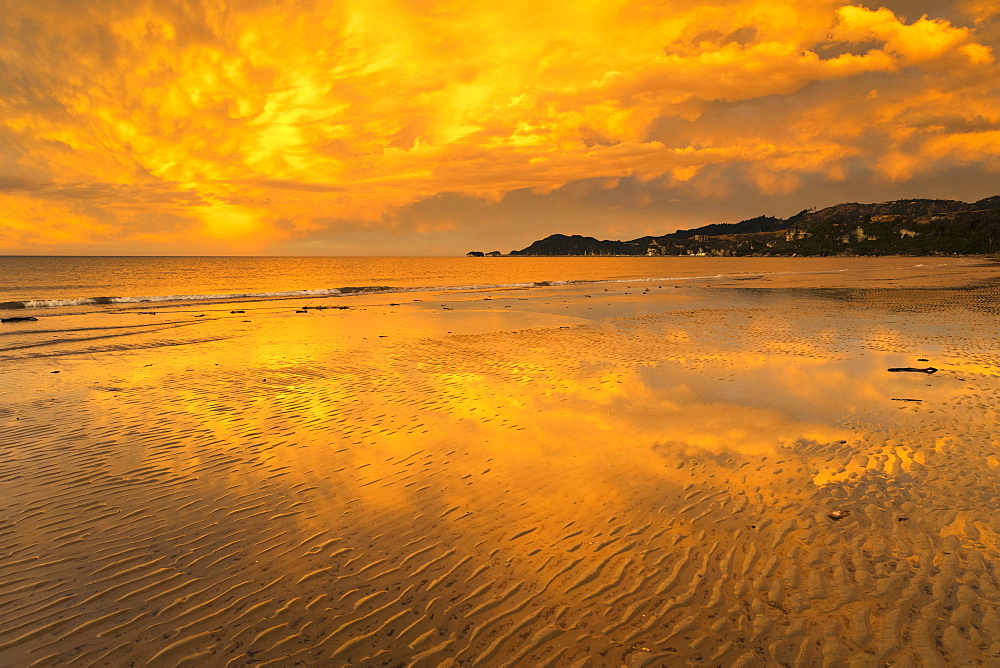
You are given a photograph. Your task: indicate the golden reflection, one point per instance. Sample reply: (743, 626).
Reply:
(649, 487)
(648, 408)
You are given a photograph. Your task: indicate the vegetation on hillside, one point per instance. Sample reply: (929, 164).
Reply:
(903, 227)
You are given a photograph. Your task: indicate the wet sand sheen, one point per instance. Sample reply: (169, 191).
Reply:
(640, 490)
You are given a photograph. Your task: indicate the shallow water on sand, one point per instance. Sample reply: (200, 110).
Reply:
(622, 478)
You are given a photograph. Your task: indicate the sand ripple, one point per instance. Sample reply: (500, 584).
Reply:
(648, 491)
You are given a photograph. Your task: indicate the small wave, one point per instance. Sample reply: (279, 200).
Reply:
(359, 290)
(372, 288)
(107, 301)
(319, 292)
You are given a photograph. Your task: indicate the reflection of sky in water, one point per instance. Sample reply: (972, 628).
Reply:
(545, 405)
(713, 438)
(755, 371)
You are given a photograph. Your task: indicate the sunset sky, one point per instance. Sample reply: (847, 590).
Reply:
(415, 127)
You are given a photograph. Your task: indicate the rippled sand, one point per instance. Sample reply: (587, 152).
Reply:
(568, 478)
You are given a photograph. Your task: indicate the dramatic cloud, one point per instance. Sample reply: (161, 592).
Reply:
(418, 126)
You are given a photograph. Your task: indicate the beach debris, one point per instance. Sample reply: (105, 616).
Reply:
(912, 369)
(200, 315)
(902, 518)
(917, 400)
(921, 359)
(638, 648)
(301, 310)
(237, 311)
(19, 318)
(838, 515)
(53, 372)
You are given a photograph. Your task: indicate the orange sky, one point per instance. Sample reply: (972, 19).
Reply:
(432, 128)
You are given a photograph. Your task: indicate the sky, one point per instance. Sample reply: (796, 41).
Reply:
(418, 127)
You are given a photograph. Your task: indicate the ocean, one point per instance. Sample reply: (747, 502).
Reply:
(62, 283)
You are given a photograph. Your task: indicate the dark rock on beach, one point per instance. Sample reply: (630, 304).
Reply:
(26, 318)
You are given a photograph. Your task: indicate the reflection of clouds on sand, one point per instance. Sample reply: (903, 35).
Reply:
(892, 461)
(652, 490)
(625, 407)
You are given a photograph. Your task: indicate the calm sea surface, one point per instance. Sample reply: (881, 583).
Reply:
(47, 282)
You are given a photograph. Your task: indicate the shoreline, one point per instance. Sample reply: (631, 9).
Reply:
(61, 303)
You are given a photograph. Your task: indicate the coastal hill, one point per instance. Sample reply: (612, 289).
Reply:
(902, 227)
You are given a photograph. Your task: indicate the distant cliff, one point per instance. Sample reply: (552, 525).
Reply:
(903, 227)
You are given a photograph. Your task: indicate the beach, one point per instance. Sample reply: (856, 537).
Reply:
(710, 471)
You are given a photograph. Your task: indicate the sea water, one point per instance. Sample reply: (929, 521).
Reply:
(99, 282)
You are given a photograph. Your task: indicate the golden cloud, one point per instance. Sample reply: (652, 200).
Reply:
(233, 116)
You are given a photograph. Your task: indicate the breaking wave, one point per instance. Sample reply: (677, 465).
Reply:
(348, 290)
(105, 301)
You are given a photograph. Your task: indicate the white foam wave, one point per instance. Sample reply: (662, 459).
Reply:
(376, 289)
(94, 301)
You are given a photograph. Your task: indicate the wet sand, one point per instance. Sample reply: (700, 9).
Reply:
(551, 477)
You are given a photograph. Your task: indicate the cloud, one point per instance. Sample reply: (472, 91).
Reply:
(980, 10)
(254, 125)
